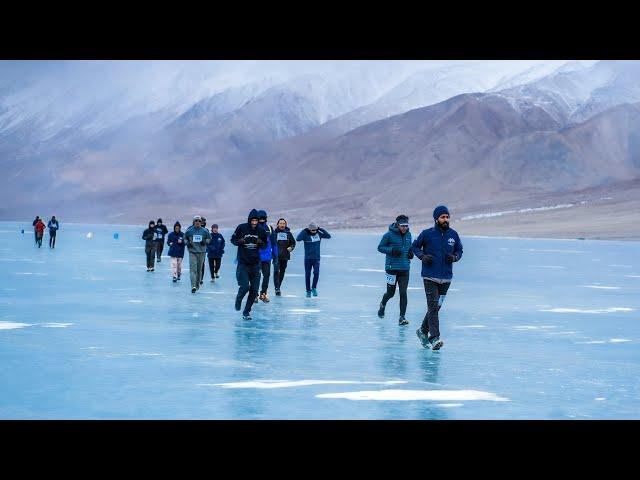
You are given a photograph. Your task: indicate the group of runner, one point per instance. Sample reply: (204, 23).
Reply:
(260, 245)
(39, 227)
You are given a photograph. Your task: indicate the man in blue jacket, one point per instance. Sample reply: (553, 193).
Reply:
(215, 250)
(437, 248)
(396, 245)
(53, 227)
(312, 236)
(249, 239)
(267, 254)
(176, 243)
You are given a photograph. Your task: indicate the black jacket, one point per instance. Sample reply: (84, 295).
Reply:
(254, 239)
(148, 235)
(284, 239)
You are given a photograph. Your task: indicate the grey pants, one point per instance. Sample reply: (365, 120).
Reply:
(196, 268)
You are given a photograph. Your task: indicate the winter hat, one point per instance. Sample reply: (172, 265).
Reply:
(440, 209)
(262, 214)
(215, 225)
(151, 221)
(177, 224)
(402, 220)
(313, 226)
(197, 217)
(159, 220)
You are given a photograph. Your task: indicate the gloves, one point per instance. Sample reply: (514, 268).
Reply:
(290, 249)
(427, 260)
(396, 252)
(450, 258)
(410, 255)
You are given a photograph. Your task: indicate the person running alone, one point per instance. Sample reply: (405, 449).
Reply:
(149, 236)
(53, 227)
(437, 248)
(285, 244)
(249, 239)
(161, 231)
(40, 226)
(215, 250)
(312, 236)
(176, 243)
(396, 245)
(267, 254)
(197, 239)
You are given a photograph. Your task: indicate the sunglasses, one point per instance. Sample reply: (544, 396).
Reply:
(404, 225)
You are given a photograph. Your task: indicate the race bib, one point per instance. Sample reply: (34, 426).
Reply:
(197, 238)
(315, 238)
(391, 279)
(157, 236)
(282, 237)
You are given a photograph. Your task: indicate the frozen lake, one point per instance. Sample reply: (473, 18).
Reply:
(533, 329)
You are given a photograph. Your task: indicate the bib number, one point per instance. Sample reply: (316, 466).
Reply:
(282, 237)
(391, 279)
(315, 238)
(197, 238)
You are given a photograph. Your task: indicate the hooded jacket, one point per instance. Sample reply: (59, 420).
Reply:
(148, 236)
(216, 248)
(393, 238)
(248, 251)
(438, 243)
(176, 247)
(284, 239)
(270, 251)
(312, 242)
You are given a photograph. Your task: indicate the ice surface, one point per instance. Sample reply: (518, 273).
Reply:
(88, 333)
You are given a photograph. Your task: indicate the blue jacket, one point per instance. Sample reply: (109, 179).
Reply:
(271, 250)
(438, 243)
(176, 249)
(312, 243)
(391, 239)
(216, 248)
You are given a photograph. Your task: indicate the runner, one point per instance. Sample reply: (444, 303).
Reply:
(176, 243)
(149, 236)
(40, 226)
(161, 231)
(396, 245)
(437, 248)
(267, 255)
(197, 239)
(53, 227)
(312, 236)
(248, 238)
(215, 250)
(35, 232)
(285, 244)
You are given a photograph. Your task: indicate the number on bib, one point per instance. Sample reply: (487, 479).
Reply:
(282, 237)
(391, 279)
(197, 238)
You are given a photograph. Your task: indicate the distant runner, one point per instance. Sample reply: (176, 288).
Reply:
(437, 248)
(149, 236)
(176, 243)
(215, 250)
(40, 226)
(53, 227)
(35, 232)
(197, 239)
(161, 231)
(268, 253)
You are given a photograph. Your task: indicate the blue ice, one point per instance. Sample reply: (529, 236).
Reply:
(533, 329)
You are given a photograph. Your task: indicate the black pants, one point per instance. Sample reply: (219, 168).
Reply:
(52, 240)
(265, 268)
(248, 277)
(39, 240)
(150, 250)
(214, 266)
(159, 248)
(435, 293)
(402, 280)
(35, 233)
(278, 275)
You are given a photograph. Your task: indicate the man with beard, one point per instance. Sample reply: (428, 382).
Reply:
(249, 239)
(437, 248)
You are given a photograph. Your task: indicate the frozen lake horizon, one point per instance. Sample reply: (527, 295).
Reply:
(533, 329)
